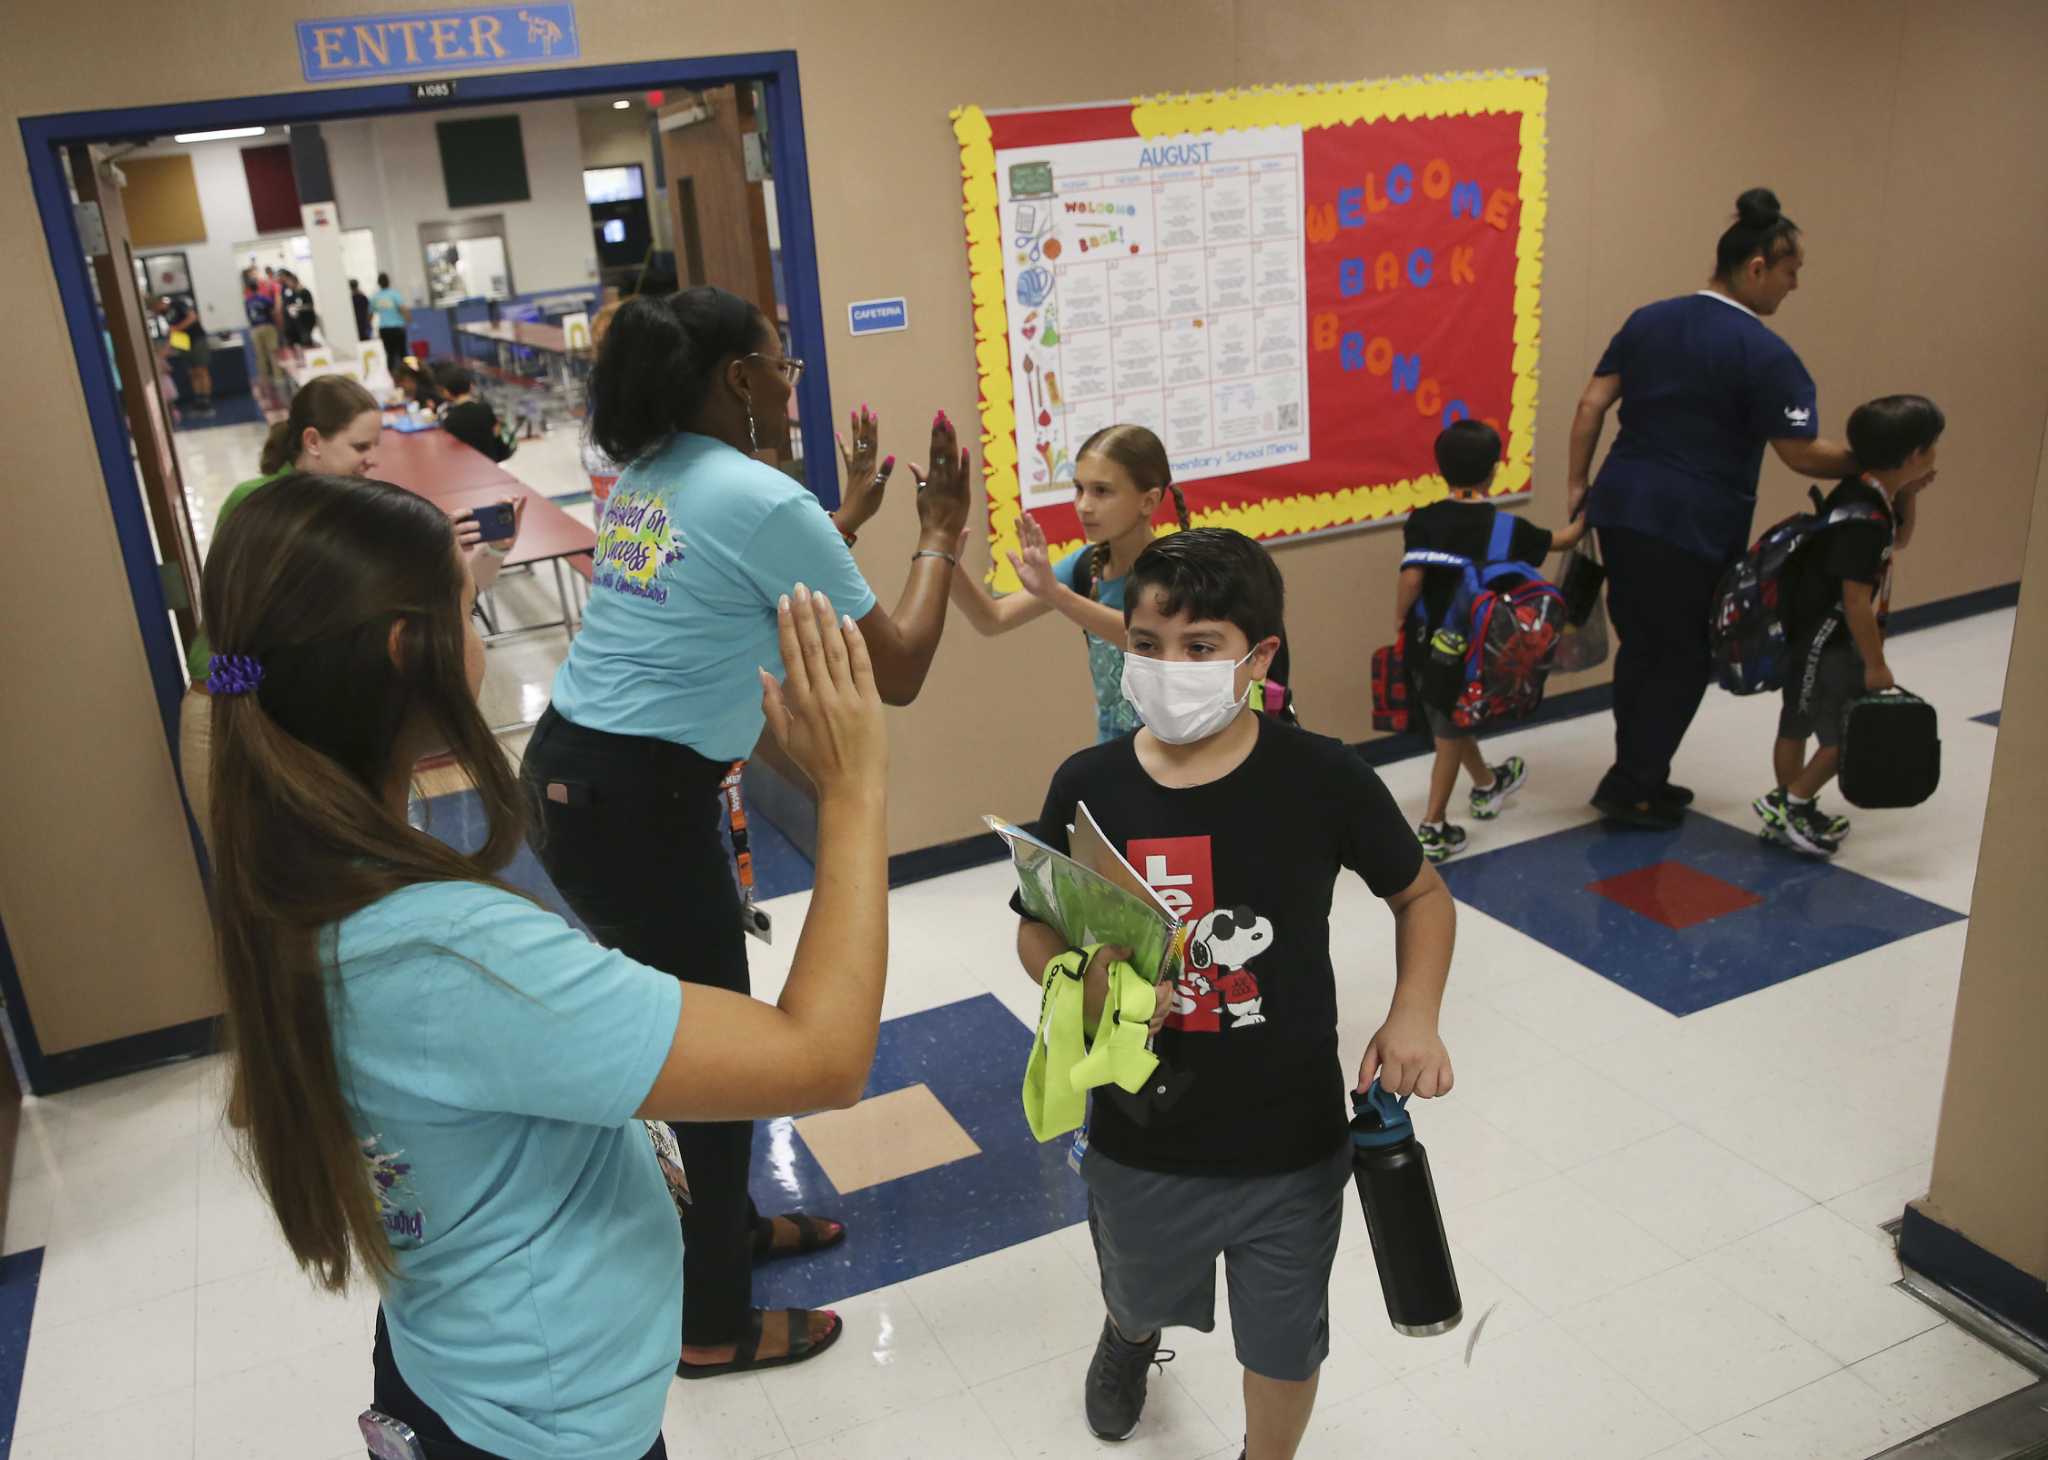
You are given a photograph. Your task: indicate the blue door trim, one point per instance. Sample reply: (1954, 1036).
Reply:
(45, 137)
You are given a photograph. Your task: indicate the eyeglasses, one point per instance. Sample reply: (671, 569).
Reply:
(792, 368)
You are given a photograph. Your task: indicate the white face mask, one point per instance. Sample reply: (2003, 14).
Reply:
(1182, 703)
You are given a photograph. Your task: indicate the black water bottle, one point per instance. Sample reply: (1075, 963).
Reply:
(1408, 1242)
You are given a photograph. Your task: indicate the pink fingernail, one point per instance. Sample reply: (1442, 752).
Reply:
(887, 462)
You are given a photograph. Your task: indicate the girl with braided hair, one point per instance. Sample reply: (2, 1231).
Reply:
(1121, 480)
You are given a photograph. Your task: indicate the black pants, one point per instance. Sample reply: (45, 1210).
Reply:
(393, 1397)
(1659, 598)
(632, 842)
(393, 336)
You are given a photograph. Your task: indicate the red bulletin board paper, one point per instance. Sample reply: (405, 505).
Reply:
(1422, 208)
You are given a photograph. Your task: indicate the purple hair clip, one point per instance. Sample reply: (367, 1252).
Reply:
(233, 674)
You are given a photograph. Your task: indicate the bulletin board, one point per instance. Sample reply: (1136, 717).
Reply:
(1296, 287)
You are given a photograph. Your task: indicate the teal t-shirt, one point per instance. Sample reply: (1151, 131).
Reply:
(1114, 715)
(389, 304)
(492, 1058)
(697, 544)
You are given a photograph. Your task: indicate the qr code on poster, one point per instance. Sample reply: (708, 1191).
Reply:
(1290, 416)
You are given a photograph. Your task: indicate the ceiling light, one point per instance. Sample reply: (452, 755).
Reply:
(621, 105)
(221, 135)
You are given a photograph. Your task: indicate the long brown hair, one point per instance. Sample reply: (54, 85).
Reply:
(305, 582)
(1139, 451)
(327, 403)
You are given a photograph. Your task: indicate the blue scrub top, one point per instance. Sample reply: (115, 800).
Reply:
(1705, 385)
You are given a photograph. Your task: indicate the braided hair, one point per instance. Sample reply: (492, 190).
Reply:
(1142, 454)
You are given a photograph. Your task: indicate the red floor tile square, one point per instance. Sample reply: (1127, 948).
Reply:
(1675, 895)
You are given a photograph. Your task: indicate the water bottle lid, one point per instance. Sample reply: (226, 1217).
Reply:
(1380, 1119)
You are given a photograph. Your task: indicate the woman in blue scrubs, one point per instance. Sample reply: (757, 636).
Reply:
(1703, 384)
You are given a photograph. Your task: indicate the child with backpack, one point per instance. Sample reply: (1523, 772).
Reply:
(1454, 546)
(1121, 476)
(1831, 596)
(1243, 822)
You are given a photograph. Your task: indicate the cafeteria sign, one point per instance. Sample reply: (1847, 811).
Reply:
(359, 47)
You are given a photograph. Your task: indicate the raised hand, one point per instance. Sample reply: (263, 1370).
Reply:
(865, 480)
(1033, 561)
(942, 495)
(827, 712)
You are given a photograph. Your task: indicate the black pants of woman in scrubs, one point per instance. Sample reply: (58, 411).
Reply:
(1660, 598)
(630, 835)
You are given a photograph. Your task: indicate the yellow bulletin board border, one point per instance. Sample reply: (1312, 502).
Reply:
(1311, 106)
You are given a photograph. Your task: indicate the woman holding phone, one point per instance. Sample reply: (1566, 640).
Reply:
(332, 429)
(438, 1078)
(653, 712)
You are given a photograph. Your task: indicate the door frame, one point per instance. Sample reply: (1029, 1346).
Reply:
(44, 138)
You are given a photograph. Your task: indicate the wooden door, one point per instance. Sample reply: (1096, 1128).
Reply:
(149, 420)
(720, 217)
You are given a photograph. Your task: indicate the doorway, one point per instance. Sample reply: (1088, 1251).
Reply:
(161, 582)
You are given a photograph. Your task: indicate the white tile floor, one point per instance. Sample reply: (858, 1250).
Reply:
(1666, 1230)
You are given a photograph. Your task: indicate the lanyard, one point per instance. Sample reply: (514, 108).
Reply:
(736, 816)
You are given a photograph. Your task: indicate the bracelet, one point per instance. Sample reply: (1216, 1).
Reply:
(934, 553)
(851, 537)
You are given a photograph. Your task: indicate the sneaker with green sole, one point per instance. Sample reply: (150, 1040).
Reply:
(1508, 777)
(1441, 842)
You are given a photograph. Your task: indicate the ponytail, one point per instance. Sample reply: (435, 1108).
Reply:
(304, 587)
(1760, 227)
(324, 404)
(1180, 506)
(657, 362)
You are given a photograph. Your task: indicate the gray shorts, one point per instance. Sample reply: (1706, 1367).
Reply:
(1826, 685)
(1157, 1238)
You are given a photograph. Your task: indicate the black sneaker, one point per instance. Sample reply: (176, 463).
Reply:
(1806, 829)
(1440, 842)
(1116, 1382)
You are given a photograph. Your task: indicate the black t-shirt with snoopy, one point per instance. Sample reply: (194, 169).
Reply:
(1250, 861)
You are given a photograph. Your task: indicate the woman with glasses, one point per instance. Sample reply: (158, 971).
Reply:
(659, 701)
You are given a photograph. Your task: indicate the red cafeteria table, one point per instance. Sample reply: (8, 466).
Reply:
(455, 477)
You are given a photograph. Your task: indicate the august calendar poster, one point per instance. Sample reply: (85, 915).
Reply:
(1158, 282)
(1296, 287)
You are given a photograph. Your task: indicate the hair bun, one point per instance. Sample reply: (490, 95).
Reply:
(1758, 208)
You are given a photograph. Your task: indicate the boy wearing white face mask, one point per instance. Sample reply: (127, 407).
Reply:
(1241, 823)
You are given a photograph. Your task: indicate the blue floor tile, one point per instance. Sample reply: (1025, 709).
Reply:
(971, 1055)
(1990, 719)
(1812, 913)
(19, 1276)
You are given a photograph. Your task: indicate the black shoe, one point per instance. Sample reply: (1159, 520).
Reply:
(1806, 828)
(1673, 795)
(1655, 816)
(1116, 1382)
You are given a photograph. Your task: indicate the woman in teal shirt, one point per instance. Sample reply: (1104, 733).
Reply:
(437, 1080)
(655, 707)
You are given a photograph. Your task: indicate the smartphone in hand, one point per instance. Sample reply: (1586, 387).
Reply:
(497, 521)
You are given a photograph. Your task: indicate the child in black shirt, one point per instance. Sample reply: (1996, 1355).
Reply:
(1462, 527)
(467, 419)
(1241, 823)
(1832, 595)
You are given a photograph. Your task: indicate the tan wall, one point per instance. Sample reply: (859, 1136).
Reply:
(1990, 1178)
(1901, 135)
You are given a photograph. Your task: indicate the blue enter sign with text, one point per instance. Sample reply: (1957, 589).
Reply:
(354, 47)
(878, 316)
